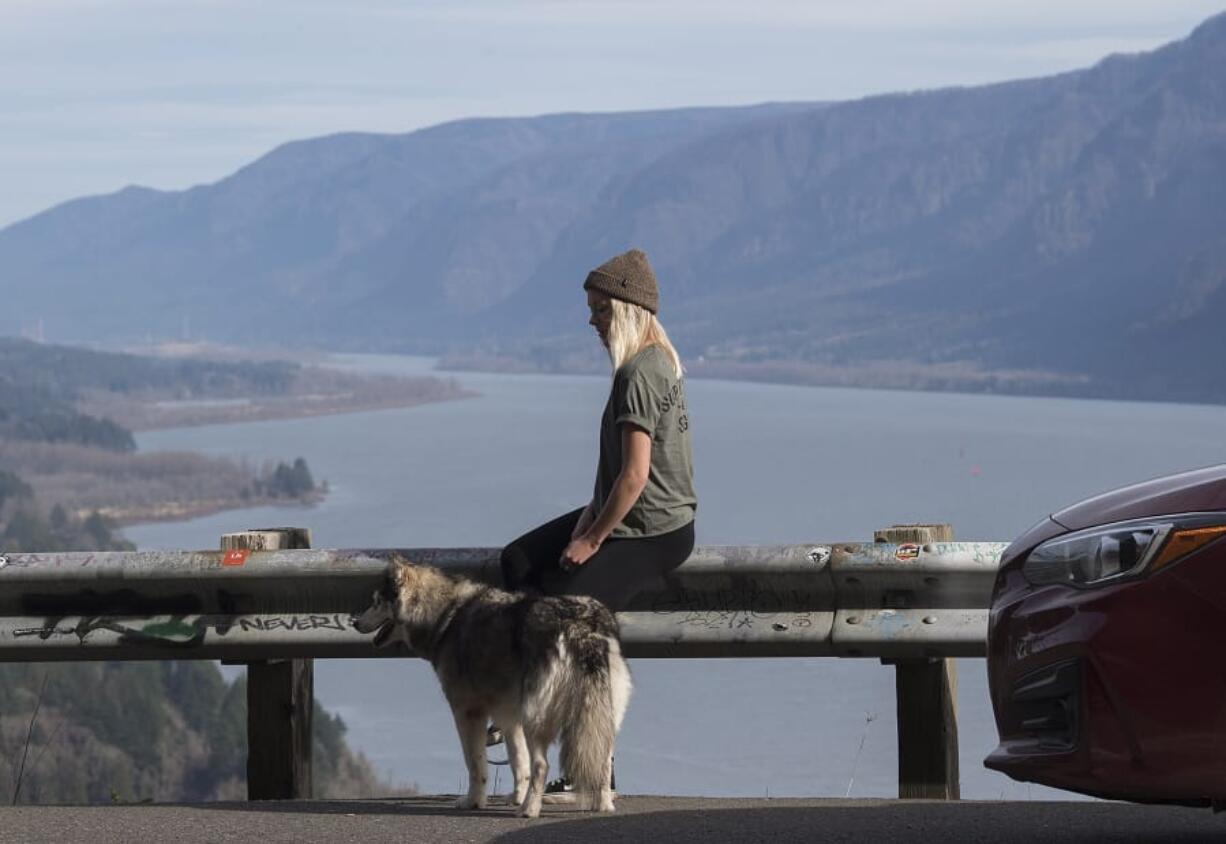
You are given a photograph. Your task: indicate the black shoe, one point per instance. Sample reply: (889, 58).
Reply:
(493, 736)
(562, 790)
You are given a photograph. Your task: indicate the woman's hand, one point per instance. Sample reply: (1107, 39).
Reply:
(578, 552)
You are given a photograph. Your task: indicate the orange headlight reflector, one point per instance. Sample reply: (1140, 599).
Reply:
(1184, 541)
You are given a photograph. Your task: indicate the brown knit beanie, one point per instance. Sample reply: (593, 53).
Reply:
(627, 277)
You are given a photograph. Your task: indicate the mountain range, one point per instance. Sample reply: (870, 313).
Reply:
(1062, 235)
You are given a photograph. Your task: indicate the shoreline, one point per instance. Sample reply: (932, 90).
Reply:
(184, 512)
(319, 391)
(181, 511)
(267, 412)
(315, 391)
(884, 375)
(905, 377)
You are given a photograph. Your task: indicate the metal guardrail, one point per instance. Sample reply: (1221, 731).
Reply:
(839, 599)
(913, 604)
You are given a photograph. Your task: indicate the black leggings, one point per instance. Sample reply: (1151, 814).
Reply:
(613, 575)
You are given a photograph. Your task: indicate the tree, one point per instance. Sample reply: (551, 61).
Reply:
(300, 475)
(290, 481)
(12, 487)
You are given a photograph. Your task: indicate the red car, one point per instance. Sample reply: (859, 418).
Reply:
(1106, 657)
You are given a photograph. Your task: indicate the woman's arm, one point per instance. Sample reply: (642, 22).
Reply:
(585, 522)
(636, 465)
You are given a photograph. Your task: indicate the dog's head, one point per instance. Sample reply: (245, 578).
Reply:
(389, 610)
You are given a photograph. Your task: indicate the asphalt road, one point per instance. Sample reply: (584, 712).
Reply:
(677, 820)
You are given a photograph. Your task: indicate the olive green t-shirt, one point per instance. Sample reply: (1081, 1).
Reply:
(648, 394)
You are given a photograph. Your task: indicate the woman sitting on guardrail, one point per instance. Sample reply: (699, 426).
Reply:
(639, 524)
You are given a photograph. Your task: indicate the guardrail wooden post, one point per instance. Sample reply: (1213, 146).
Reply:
(280, 698)
(926, 691)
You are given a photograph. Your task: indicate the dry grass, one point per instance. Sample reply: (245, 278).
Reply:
(133, 487)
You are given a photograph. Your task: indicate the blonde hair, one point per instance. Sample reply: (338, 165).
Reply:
(632, 329)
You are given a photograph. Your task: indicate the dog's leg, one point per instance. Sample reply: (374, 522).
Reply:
(538, 746)
(517, 755)
(471, 727)
(604, 800)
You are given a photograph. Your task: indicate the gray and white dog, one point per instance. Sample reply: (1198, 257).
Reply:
(541, 668)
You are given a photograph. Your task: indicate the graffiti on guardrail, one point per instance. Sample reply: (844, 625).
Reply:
(738, 608)
(335, 622)
(176, 631)
(167, 620)
(737, 619)
(180, 631)
(980, 552)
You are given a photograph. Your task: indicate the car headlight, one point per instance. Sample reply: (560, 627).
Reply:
(1094, 556)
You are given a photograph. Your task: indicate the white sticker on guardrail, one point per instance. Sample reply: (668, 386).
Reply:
(820, 555)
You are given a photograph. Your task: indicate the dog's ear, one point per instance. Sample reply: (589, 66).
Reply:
(406, 573)
(399, 578)
(390, 585)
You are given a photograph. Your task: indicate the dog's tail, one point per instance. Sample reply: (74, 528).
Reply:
(587, 738)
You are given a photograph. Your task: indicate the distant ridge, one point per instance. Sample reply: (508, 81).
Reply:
(1055, 235)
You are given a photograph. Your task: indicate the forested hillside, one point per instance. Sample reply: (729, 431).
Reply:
(97, 732)
(134, 731)
(101, 732)
(42, 386)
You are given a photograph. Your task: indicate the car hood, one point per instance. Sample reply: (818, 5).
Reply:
(1200, 490)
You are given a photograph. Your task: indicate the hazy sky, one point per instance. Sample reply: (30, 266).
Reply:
(99, 94)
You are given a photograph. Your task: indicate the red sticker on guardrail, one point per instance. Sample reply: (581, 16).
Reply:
(236, 557)
(907, 551)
